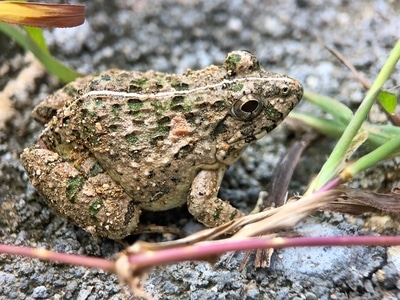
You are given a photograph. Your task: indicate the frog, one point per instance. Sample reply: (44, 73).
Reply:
(119, 142)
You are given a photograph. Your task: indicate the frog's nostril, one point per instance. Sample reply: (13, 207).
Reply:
(285, 90)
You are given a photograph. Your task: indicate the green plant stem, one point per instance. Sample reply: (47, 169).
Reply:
(370, 159)
(329, 169)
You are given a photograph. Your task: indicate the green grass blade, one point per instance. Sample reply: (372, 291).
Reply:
(337, 110)
(383, 152)
(54, 66)
(36, 34)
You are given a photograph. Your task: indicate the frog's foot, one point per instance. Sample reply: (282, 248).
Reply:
(95, 202)
(204, 204)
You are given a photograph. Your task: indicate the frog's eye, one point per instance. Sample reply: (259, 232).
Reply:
(247, 107)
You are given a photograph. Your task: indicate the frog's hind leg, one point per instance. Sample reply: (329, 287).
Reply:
(91, 200)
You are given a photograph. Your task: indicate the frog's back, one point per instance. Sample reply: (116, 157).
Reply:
(144, 129)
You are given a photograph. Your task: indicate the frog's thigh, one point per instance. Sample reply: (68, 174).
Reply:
(97, 203)
(204, 204)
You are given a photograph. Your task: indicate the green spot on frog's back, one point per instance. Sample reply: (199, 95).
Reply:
(180, 86)
(135, 104)
(116, 109)
(237, 87)
(95, 207)
(106, 77)
(70, 90)
(74, 186)
(140, 82)
(273, 114)
(232, 61)
(131, 139)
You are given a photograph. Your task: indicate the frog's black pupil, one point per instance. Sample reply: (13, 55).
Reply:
(250, 106)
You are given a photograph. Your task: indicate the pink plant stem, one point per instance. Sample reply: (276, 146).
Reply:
(79, 260)
(330, 185)
(207, 250)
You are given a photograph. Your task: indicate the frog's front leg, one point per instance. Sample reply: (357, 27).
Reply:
(91, 200)
(203, 202)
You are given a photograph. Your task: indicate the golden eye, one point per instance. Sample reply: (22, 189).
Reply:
(247, 107)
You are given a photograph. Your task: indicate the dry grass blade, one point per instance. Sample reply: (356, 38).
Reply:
(280, 178)
(357, 201)
(285, 216)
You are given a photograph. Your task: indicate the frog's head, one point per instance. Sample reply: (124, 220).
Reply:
(260, 100)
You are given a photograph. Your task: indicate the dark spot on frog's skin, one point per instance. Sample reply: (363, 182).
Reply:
(184, 152)
(66, 120)
(250, 139)
(134, 88)
(136, 155)
(164, 120)
(165, 168)
(178, 108)
(90, 115)
(155, 140)
(113, 128)
(177, 100)
(219, 105)
(57, 137)
(134, 104)
(269, 128)
(105, 77)
(95, 170)
(116, 108)
(70, 90)
(93, 84)
(221, 128)
(130, 212)
(151, 175)
(190, 117)
(247, 129)
(175, 180)
(180, 86)
(201, 105)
